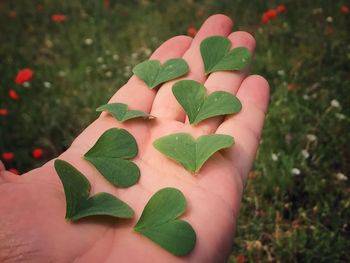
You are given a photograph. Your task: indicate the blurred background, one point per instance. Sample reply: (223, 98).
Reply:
(62, 59)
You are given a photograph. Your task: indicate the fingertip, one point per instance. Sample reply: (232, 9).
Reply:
(173, 47)
(222, 19)
(218, 24)
(255, 89)
(243, 39)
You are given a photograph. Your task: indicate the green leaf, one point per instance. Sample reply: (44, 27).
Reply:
(159, 222)
(121, 113)
(217, 55)
(153, 73)
(79, 204)
(110, 155)
(191, 153)
(191, 96)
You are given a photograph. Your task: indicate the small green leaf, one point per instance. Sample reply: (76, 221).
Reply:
(153, 73)
(159, 222)
(110, 155)
(191, 153)
(121, 113)
(191, 96)
(79, 204)
(217, 55)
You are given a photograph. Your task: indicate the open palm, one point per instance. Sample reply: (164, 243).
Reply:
(32, 207)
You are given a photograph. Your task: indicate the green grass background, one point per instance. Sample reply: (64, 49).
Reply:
(285, 217)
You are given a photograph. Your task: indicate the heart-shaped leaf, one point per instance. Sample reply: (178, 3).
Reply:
(192, 97)
(121, 113)
(79, 204)
(217, 55)
(159, 222)
(191, 153)
(110, 155)
(153, 73)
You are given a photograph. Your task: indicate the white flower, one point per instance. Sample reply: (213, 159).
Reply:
(88, 41)
(26, 84)
(317, 11)
(295, 171)
(109, 74)
(127, 70)
(306, 97)
(280, 72)
(341, 177)
(103, 66)
(115, 57)
(48, 43)
(311, 137)
(47, 84)
(329, 19)
(335, 104)
(62, 73)
(340, 116)
(99, 59)
(274, 157)
(305, 153)
(147, 51)
(134, 55)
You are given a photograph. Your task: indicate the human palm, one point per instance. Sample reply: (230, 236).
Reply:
(32, 207)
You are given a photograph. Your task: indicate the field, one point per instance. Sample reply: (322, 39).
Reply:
(296, 206)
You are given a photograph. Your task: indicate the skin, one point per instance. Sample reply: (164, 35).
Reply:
(32, 206)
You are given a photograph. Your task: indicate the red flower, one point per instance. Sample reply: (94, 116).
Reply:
(24, 75)
(4, 112)
(8, 156)
(192, 31)
(271, 14)
(14, 171)
(292, 86)
(268, 15)
(37, 153)
(39, 8)
(106, 4)
(13, 94)
(200, 12)
(12, 14)
(281, 9)
(344, 9)
(241, 259)
(264, 19)
(259, 213)
(58, 18)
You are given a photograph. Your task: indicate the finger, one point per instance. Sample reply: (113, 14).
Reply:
(165, 105)
(228, 81)
(2, 166)
(135, 93)
(2, 169)
(246, 126)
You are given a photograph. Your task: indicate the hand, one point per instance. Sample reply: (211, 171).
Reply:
(32, 206)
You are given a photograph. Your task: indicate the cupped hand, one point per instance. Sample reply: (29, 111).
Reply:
(32, 206)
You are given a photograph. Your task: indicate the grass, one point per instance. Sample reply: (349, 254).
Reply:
(296, 206)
